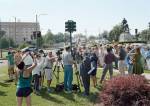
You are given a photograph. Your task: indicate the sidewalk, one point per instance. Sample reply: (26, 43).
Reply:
(3, 62)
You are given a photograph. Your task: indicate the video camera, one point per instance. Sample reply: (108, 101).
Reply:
(59, 52)
(42, 52)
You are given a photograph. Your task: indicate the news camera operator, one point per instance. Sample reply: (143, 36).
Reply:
(68, 69)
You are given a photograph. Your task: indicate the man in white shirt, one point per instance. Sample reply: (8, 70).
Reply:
(68, 69)
(48, 64)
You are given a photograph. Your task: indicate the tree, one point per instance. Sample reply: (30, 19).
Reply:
(49, 38)
(114, 34)
(59, 37)
(4, 43)
(2, 33)
(105, 34)
(92, 37)
(11, 42)
(23, 45)
(145, 35)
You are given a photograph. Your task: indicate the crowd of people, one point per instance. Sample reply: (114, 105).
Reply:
(27, 67)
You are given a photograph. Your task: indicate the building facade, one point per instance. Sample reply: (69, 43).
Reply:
(19, 31)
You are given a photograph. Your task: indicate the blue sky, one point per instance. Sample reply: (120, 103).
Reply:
(91, 15)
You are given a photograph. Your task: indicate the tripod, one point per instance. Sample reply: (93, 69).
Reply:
(57, 67)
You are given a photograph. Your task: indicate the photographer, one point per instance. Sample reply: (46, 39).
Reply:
(36, 73)
(27, 58)
(85, 68)
(48, 64)
(42, 72)
(68, 69)
(24, 80)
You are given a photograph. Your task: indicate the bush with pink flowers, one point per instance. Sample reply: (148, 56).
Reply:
(129, 90)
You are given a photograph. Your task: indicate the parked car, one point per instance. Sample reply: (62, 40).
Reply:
(31, 48)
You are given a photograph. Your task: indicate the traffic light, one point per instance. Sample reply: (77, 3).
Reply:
(70, 26)
(36, 34)
(39, 34)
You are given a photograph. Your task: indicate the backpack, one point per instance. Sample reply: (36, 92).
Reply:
(59, 87)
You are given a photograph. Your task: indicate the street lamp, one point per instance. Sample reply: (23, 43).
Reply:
(15, 29)
(37, 15)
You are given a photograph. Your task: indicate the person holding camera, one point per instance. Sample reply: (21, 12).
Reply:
(85, 68)
(48, 64)
(68, 69)
(24, 80)
(36, 73)
(27, 57)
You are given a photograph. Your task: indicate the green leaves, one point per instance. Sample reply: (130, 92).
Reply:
(114, 34)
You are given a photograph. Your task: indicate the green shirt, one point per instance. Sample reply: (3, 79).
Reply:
(10, 59)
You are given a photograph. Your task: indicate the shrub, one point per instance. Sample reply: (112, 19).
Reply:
(23, 45)
(130, 90)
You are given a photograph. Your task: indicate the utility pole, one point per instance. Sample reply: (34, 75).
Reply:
(0, 43)
(9, 33)
(36, 28)
(15, 31)
(36, 31)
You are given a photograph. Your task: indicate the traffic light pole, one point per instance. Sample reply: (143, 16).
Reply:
(71, 42)
(70, 26)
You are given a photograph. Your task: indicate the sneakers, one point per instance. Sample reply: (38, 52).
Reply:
(49, 90)
(37, 93)
(68, 91)
(40, 87)
(85, 94)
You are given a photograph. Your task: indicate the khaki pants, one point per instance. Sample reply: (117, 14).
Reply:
(11, 71)
(122, 67)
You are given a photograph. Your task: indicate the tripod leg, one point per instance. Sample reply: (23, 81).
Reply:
(58, 68)
(62, 66)
(78, 82)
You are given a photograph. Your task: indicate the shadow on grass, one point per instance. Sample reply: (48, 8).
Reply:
(4, 84)
(68, 96)
(45, 95)
(2, 93)
(92, 97)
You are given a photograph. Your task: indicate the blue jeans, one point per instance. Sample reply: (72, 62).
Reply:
(116, 62)
(36, 82)
(68, 77)
(130, 68)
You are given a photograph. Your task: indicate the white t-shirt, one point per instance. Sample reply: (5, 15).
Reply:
(48, 62)
(38, 67)
(67, 58)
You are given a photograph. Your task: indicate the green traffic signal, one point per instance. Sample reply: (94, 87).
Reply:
(70, 26)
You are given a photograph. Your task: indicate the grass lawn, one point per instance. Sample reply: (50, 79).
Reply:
(147, 71)
(8, 90)
(4, 54)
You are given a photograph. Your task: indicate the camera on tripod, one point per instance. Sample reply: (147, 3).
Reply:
(59, 53)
